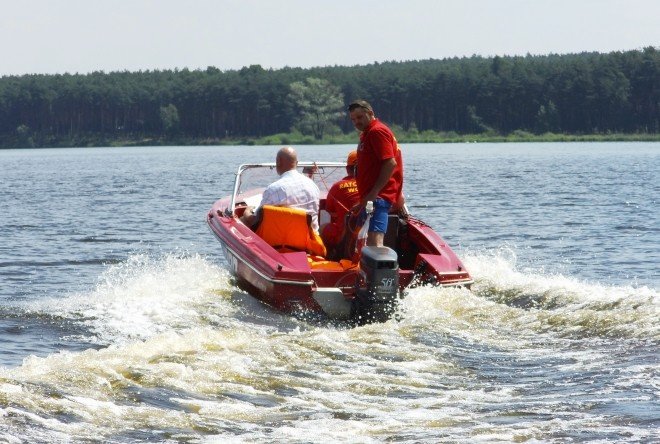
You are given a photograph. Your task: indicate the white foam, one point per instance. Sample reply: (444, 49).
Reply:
(567, 305)
(184, 354)
(145, 296)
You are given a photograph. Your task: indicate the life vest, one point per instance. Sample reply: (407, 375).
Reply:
(286, 228)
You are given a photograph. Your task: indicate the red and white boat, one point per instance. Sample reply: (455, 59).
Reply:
(305, 284)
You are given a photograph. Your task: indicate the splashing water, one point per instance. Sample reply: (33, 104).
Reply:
(182, 355)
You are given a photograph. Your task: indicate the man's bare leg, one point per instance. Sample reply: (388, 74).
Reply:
(375, 239)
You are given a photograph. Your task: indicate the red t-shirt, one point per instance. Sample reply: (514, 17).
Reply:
(342, 196)
(377, 144)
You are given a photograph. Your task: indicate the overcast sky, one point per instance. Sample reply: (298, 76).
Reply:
(57, 36)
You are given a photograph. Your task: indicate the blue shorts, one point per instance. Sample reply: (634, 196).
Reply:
(378, 222)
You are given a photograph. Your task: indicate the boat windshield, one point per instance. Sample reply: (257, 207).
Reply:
(251, 180)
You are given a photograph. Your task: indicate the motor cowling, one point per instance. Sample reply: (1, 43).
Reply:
(377, 294)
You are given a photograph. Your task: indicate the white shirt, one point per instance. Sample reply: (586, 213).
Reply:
(296, 190)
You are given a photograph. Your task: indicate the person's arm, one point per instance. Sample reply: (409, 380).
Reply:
(331, 200)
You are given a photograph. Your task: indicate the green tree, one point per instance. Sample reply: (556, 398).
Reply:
(318, 103)
(24, 137)
(546, 118)
(169, 116)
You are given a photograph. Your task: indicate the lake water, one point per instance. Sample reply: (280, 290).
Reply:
(120, 323)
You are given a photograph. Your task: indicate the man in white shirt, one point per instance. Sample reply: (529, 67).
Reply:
(292, 189)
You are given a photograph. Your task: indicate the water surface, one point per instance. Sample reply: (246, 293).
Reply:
(120, 323)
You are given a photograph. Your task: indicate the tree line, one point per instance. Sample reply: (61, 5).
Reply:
(582, 93)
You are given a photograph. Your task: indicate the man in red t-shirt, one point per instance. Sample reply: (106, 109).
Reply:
(379, 169)
(342, 196)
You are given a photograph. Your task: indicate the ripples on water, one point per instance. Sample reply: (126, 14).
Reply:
(118, 345)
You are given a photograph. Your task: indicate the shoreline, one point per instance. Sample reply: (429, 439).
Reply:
(343, 139)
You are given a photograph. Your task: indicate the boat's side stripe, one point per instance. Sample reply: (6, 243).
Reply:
(456, 283)
(453, 273)
(311, 282)
(269, 279)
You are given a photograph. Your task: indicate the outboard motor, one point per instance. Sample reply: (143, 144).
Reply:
(377, 294)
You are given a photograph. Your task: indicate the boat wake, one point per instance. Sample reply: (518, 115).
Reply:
(564, 305)
(145, 296)
(178, 353)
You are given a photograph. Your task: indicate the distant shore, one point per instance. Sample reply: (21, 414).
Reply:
(404, 137)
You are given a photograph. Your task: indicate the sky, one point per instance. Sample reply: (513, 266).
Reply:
(82, 36)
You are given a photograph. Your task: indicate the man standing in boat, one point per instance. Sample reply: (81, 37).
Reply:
(292, 189)
(379, 169)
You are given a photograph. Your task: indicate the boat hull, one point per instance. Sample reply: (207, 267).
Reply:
(289, 283)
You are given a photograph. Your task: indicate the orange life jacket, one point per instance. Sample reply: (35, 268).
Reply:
(289, 228)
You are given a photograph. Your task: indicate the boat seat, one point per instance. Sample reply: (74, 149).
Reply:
(392, 233)
(289, 229)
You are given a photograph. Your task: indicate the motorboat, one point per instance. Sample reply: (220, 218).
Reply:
(358, 284)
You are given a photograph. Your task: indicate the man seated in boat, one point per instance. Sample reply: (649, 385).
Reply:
(342, 196)
(292, 189)
(287, 218)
